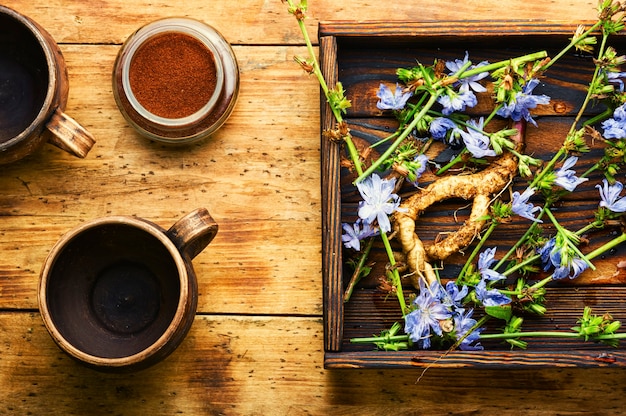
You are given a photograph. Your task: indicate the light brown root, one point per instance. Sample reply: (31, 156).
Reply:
(465, 234)
(478, 186)
(415, 253)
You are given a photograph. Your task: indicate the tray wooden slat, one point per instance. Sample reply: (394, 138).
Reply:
(331, 213)
(463, 29)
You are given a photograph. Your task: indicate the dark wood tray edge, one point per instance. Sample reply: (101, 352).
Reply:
(451, 28)
(474, 359)
(329, 34)
(331, 209)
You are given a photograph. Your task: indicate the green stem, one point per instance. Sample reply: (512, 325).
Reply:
(518, 243)
(572, 43)
(453, 162)
(611, 244)
(354, 154)
(541, 283)
(497, 65)
(459, 73)
(386, 139)
(357, 274)
(551, 334)
(408, 116)
(492, 114)
(608, 246)
(595, 119)
(392, 148)
(586, 101)
(596, 71)
(527, 261)
(316, 68)
(590, 170)
(510, 335)
(394, 272)
(369, 340)
(477, 325)
(563, 150)
(573, 246)
(589, 227)
(477, 249)
(352, 151)
(548, 168)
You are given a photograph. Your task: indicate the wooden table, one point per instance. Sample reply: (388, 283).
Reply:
(256, 344)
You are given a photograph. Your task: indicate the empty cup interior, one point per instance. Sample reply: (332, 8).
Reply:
(24, 77)
(113, 290)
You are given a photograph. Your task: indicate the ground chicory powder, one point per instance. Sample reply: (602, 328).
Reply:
(172, 75)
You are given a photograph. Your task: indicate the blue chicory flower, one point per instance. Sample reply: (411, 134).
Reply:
(453, 297)
(522, 103)
(566, 178)
(453, 101)
(521, 206)
(552, 255)
(490, 297)
(379, 201)
(389, 100)
(485, 260)
(544, 252)
(475, 141)
(356, 232)
(609, 195)
(440, 126)
(470, 82)
(424, 319)
(463, 322)
(422, 161)
(615, 128)
(419, 165)
(572, 270)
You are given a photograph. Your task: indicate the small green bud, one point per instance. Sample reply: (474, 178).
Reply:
(537, 308)
(612, 327)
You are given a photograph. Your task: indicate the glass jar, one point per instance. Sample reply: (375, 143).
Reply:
(176, 80)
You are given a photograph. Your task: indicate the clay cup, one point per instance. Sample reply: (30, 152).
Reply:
(33, 92)
(119, 293)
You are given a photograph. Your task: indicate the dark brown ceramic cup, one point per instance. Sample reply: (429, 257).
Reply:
(33, 92)
(119, 293)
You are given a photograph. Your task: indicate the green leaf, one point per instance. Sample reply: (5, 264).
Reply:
(500, 312)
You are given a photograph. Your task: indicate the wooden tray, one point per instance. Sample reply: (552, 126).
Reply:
(361, 55)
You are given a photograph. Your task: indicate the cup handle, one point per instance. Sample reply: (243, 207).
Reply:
(68, 135)
(193, 232)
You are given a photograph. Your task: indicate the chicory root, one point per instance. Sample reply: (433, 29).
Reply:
(480, 187)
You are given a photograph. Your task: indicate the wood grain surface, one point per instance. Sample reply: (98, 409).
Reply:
(256, 347)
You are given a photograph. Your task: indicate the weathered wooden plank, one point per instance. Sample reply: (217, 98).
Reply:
(261, 185)
(246, 269)
(266, 22)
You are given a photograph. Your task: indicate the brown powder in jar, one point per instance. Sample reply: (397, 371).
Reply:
(172, 75)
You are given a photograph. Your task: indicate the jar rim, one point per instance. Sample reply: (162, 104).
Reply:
(194, 28)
